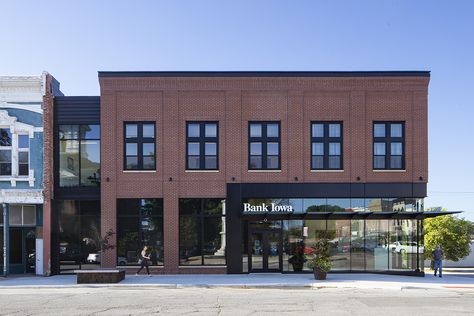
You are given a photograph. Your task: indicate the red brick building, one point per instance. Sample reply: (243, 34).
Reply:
(234, 172)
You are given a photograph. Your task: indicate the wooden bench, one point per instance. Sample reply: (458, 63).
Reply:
(100, 276)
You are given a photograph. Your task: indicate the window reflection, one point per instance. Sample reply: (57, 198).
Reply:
(354, 245)
(202, 232)
(79, 234)
(79, 155)
(139, 223)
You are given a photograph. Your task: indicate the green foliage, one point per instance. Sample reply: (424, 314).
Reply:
(453, 234)
(320, 257)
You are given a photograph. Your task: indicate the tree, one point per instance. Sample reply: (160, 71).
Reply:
(453, 234)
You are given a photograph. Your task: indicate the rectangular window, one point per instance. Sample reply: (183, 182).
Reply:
(326, 146)
(139, 146)
(79, 155)
(201, 232)
(202, 146)
(264, 146)
(23, 155)
(139, 223)
(389, 145)
(5, 152)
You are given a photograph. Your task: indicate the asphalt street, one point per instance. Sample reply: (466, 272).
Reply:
(232, 301)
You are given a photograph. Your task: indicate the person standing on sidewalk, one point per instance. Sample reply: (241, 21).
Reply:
(438, 260)
(143, 260)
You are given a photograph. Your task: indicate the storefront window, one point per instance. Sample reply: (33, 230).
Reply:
(403, 244)
(139, 223)
(357, 245)
(338, 205)
(314, 205)
(339, 235)
(376, 244)
(79, 234)
(202, 232)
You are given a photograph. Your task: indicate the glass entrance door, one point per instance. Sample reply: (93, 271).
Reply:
(265, 250)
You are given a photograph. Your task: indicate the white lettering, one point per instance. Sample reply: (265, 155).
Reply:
(264, 208)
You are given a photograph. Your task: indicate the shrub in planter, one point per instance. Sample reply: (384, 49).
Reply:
(320, 261)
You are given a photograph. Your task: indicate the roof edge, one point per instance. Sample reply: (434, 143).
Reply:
(411, 73)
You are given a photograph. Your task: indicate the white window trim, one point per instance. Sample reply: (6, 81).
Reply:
(17, 128)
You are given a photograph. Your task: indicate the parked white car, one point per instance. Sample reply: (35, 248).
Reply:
(95, 258)
(405, 247)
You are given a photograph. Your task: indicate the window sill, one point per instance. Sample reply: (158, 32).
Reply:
(14, 179)
(326, 170)
(199, 170)
(139, 171)
(263, 170)
(389, 170)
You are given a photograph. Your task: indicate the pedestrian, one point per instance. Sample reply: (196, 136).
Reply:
(438, 260)
(143, 261)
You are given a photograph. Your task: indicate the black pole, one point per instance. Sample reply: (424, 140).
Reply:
(6, 241)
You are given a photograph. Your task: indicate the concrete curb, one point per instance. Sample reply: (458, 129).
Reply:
(312, 286)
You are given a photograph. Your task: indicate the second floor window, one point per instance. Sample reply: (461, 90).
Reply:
(79, 155)
(326, 145)
(5, 152)
(389, 145)
(264, 145)
(139, 146)
(23, 154)
(202, 144)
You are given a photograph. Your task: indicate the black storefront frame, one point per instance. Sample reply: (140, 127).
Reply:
(238, 192)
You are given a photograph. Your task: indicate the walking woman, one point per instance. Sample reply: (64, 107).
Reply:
(143, 260)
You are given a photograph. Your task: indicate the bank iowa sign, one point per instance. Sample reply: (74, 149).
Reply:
(270, 208)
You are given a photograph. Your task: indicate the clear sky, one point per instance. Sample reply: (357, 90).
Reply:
(74, 39)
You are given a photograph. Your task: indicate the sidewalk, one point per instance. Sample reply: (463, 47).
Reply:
(451, 280)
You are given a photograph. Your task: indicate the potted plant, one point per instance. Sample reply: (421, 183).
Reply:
(298, 259)
(320, 260)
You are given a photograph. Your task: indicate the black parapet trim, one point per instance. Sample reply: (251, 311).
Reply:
(332, 190)
(396, 73)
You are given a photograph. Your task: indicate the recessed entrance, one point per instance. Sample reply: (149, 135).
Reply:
(265, 250)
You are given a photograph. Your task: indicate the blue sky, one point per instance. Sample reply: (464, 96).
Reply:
(73, 40)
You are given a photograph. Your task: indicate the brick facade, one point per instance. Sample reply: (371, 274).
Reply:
(233, 101)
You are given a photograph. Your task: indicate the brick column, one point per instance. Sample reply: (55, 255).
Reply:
(171, 167)
(108, 177)
(359, 157)
(48, 179)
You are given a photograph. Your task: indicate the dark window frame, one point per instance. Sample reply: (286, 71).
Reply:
(388, 140)
(79, 139)
(264, 140)
(201, 216)
(139, 216)
(326, 140)
(139, 141)
(202, 140)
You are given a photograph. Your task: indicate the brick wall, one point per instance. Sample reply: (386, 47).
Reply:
(295, 102)
(48, 178)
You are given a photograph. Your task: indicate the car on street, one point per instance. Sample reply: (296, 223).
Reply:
(405, 247)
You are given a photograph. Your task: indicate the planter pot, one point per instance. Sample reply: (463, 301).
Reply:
(319, 274)
(297, 267)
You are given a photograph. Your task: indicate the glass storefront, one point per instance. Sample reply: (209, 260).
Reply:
(78, 234)
(139, 223)
(23, 220)
(354, 245)
(202, 232)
